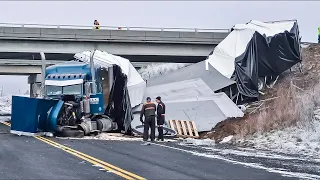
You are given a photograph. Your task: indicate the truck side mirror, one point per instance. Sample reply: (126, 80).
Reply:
(87, 89)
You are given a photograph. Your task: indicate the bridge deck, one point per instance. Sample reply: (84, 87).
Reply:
(107, 35)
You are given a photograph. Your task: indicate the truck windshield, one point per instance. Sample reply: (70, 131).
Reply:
(70, 90)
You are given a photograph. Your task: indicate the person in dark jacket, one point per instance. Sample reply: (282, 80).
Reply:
(96, 24)
(148, 111)
(319, 34)
(161, 110)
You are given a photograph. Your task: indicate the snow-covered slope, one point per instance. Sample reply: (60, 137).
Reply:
(157, 69)
(302, 140)
(5, 105)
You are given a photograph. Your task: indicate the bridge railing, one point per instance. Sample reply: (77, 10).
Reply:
(27, 62)
(113, 27)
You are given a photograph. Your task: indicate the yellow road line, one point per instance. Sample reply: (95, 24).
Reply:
(6, 123)
(109, 167)
(84, 158)
(95, 159)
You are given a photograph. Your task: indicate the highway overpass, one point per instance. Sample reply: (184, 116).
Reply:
(139, 44)
(20, 45)
(30, 67)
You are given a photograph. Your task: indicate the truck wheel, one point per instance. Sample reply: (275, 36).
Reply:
(67, 132)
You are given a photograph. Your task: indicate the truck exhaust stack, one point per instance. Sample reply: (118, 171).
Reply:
(43, 73)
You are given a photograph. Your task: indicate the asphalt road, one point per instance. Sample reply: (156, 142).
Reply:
(29, 158)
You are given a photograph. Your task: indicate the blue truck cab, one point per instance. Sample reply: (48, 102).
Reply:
(79, 98)
(75, 78)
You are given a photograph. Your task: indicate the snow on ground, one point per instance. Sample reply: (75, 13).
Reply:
(205, 142)
(5, 105)
(302, 140)
(227, 139)
(156, 69)
(281, 164)
(305, 45)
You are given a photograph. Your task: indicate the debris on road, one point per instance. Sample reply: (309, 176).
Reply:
(203, 142)
(184, 128)
(108, 136)
(226, 139)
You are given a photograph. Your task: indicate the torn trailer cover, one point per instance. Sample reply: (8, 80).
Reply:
(256, 50)
(127, 89)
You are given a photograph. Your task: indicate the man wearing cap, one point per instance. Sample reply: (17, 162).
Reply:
(148, 111)
(161, 110)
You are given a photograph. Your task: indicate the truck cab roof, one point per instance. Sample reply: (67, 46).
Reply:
(70, 69)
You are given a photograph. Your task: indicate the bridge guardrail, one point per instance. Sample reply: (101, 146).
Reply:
(137, 28)
(27, 62)
(106, 35)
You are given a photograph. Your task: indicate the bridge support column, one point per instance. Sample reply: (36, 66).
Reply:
(35, 85)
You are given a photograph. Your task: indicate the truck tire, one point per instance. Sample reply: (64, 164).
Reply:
(68, 132)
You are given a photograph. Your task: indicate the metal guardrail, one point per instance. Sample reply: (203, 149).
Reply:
(26, 62)
(112, 27)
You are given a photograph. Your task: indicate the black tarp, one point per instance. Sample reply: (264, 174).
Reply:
(266, 56)
(119, 106)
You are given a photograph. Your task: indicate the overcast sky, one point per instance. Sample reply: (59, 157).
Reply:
(205, 14)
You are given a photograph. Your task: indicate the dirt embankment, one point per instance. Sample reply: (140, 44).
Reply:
(281, 106)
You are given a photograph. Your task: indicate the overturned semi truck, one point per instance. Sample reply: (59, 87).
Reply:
(80, 97)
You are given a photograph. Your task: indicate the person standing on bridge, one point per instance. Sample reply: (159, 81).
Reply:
(319, 34)
(148, 111)
(161, 110)
(96, 24)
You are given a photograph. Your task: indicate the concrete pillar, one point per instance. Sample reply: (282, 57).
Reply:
(35, 85)
(31, 91)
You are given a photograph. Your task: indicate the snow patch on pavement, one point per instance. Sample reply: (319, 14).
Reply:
(247, 152)
(283, 172)
(204, 142)
(4, 119)
(226, 139)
